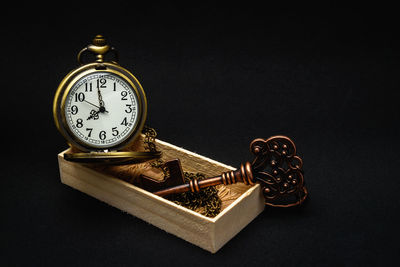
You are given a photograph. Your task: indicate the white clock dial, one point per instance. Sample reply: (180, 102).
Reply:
(101, 110)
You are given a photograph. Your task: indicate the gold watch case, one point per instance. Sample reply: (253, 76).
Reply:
(90, 153)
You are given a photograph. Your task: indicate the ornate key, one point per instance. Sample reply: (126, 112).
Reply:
(276, 167)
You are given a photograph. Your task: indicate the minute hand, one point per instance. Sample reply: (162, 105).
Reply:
(102, 109)
(101, 102)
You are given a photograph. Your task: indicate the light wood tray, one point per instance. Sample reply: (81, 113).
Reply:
(240, 203)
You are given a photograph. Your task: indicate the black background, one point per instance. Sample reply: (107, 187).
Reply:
(216, 78)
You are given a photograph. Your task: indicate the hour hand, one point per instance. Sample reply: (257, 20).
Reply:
(93, 115)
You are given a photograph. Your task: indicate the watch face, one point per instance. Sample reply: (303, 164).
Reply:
(102, 110)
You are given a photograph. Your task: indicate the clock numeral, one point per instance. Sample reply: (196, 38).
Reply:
(124, 95)
(74, 110)
(124, 122)
(90, 131)
(115, 86)
(88, 87)
(130, 108)
(101, 83)
(79, 97)
(102, 135)
(114, 131)
(79, 123)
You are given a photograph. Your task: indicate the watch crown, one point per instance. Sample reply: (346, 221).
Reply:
(99, 40)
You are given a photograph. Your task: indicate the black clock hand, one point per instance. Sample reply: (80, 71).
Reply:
(91, 104)
(104, 110)
(93, 115)
(101, 102)
(100, 108)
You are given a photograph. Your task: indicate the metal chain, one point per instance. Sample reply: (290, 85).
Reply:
(150, 135)
(205, 202)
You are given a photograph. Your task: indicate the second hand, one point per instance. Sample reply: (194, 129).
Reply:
(94, 105)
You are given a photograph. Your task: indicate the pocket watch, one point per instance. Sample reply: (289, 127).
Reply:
(100, 108)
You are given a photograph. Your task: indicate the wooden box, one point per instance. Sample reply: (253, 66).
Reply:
(240, 203)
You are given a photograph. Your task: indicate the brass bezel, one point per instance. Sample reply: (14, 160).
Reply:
(120, 157)
(65, 87)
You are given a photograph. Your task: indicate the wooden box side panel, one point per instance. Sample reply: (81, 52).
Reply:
(172, 218)
(239, 214)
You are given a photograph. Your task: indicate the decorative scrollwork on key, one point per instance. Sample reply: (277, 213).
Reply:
(279, 171)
